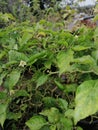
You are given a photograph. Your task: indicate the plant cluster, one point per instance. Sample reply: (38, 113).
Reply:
(48, 76)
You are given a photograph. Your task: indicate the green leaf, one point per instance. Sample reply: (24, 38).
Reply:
(49, 102)
(36, 122)
(70, 88)
(50, 60)
(85, 60)
(3, 109)
(80, 48)
(17, 56)
(1, 69)
(62, 103)
(96, 37)
(32, 59)
(6, 16)
(2, 77)
(41, 80)
(79, 128)
(63, 60)
(86, 100)
(52, 114)
(59, 85)
(95, 69)
(8, 64)
(26, 36)
(2, 54)
(62, 42)
(95, 55)
(65, 123)
(53, 127)
(69, 113)
(15, 116)
(46, 127)
(3, 95)
(9, 16)
(12, 79)
(22, 93)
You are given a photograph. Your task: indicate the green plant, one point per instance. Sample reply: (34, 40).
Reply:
(42, 68)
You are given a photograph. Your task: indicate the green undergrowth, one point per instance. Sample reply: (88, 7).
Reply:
(48, 76)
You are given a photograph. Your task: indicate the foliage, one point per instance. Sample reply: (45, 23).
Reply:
(28, 9)
(88, 91)
(48, 75)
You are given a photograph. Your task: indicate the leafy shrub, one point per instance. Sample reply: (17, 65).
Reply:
(42, 68)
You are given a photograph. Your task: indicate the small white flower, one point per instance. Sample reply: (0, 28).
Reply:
(22, 63)
(12, 92)
(76, 36)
